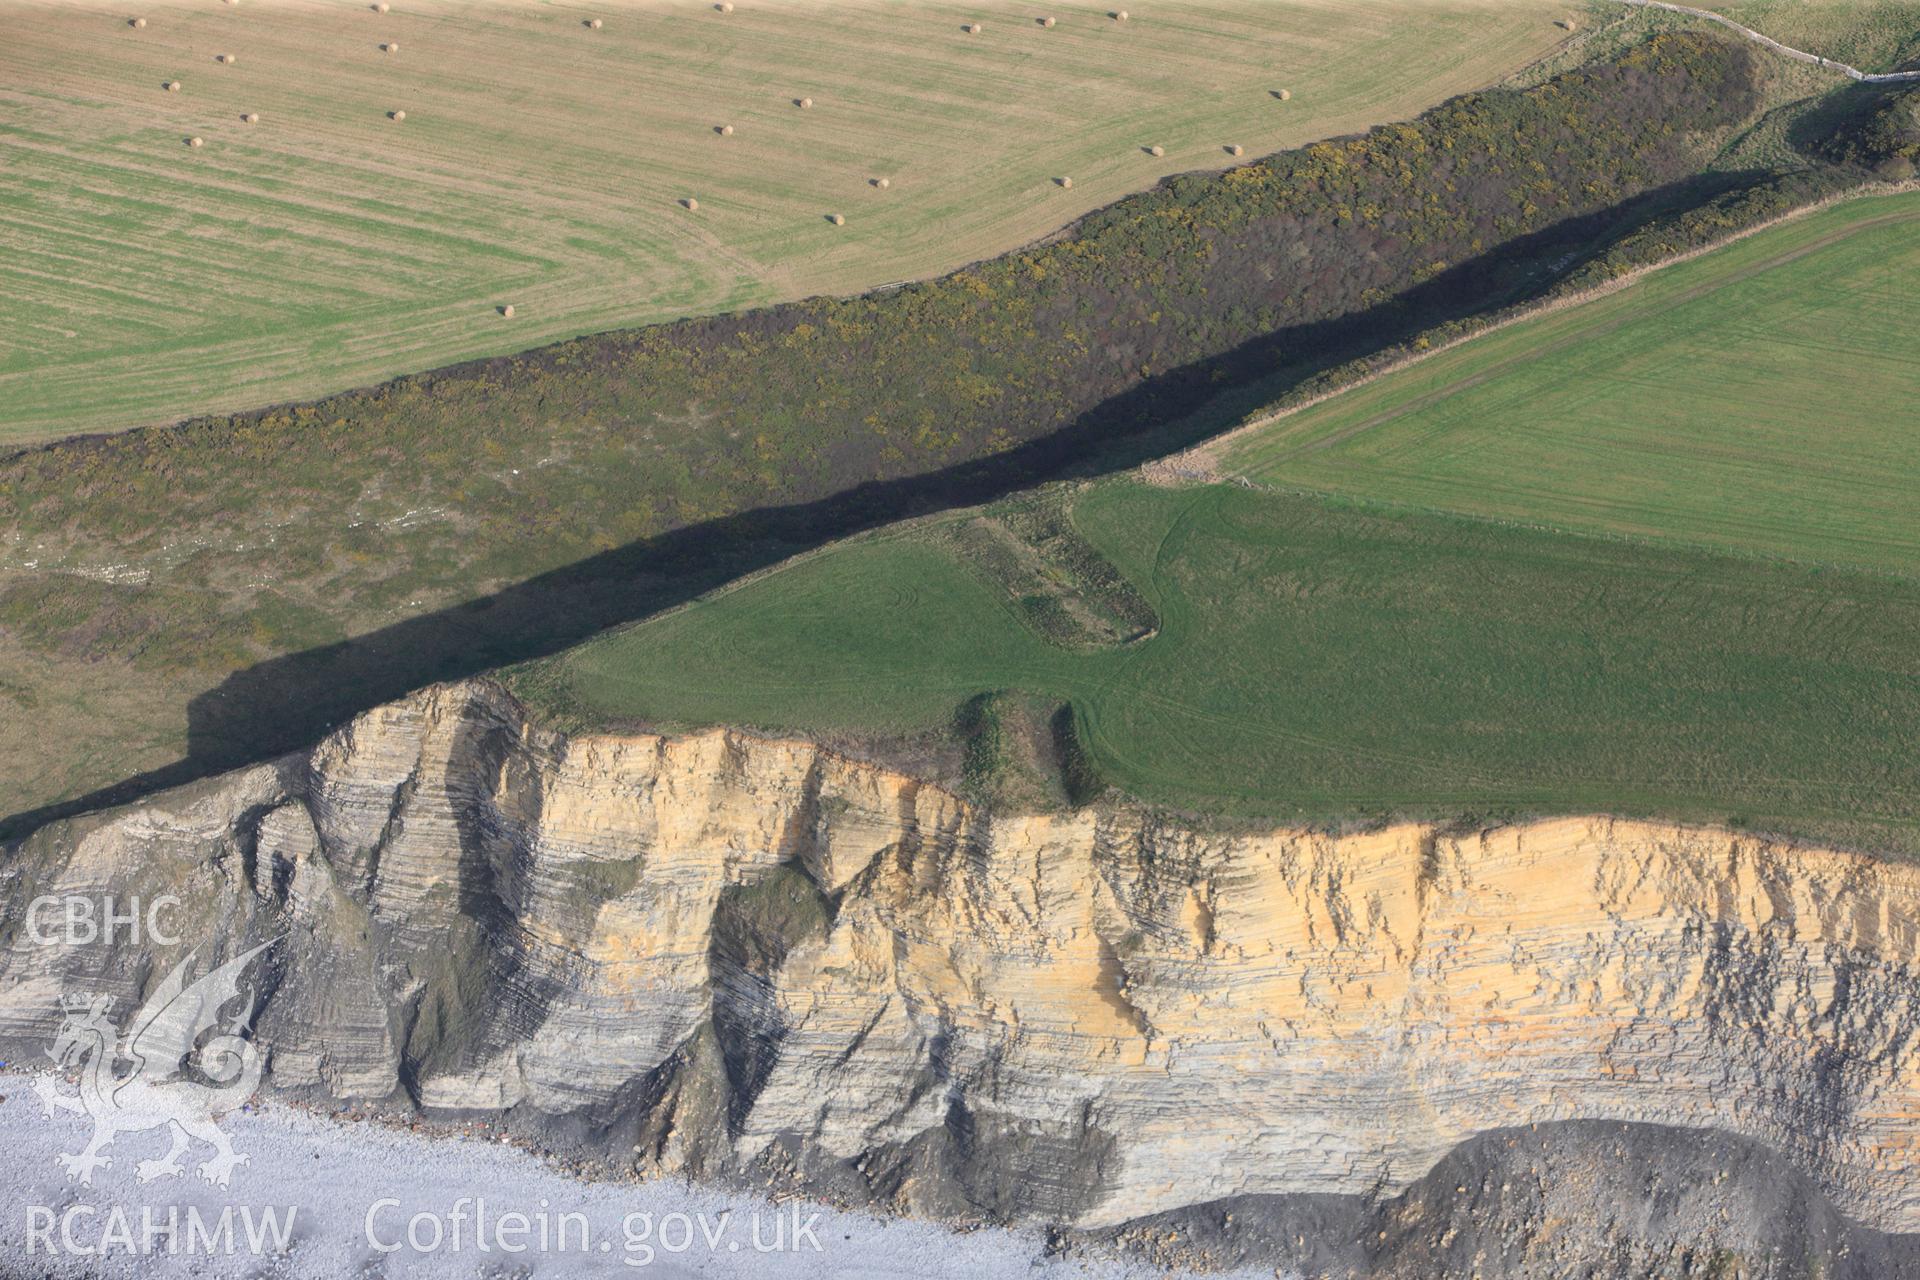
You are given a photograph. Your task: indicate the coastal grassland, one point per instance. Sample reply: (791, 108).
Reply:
(283, 569)
(1758, 398)
(1873, 35)
(540, 163)
(1327, 661)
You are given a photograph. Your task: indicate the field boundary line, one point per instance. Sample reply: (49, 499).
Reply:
(1447, 391)
(1201, 462)
(1865, 77)
(892, 530)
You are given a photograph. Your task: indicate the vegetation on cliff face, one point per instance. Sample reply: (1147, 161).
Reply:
(273, 572)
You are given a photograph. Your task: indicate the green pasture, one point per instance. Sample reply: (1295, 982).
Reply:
(1320, 660)
(1762, 398)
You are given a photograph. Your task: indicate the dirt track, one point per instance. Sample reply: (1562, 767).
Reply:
(1886, 77)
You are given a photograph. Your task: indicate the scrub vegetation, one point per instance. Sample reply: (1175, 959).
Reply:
(179, 600)
(540, 164)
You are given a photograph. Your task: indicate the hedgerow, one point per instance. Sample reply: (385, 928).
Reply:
(441, 495)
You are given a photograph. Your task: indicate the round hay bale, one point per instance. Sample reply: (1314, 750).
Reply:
(1045, 22)
(1119, 15)
(1234, 148)
(724, 7)
(136, 23)
(1156, 151)
(692, 205)
(883, 183)
(1567, 24)
(724, 130)
(391, 46)
(1066, 183)
(973, 28)
(506, 311)
(251, 117)
(380, 7)
(594, 24)
(196, 142)
(837, 220)
(228, 58)
(1283, 94)
(805, 104)
(171, 86)
(396, 116)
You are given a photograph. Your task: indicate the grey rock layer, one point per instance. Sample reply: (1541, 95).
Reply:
(730, 956)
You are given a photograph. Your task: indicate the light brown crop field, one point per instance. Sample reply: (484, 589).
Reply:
(543, 164)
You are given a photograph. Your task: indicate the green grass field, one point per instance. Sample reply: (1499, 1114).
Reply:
(272, 573)
(1377, 645)
(1759, 398)
(1323, 661)
(541, 164)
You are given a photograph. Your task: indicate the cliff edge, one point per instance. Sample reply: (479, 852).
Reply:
(726, 955)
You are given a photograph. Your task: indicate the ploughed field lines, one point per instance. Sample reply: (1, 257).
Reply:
(281, 570)
(543, 165)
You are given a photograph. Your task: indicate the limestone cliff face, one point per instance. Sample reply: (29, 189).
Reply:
(716, 949)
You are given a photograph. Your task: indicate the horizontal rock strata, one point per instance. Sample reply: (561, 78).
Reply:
(721, 950)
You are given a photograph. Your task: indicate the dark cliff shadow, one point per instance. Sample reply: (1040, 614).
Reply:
(288, 702)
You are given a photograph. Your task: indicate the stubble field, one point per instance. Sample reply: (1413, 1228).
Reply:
(541, 162)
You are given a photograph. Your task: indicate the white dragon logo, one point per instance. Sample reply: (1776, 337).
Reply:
(154, 1092)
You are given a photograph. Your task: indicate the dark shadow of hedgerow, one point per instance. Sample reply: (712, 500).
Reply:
(288, 702)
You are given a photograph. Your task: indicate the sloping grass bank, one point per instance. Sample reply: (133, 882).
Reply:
(191, 597)
(1321, 661)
